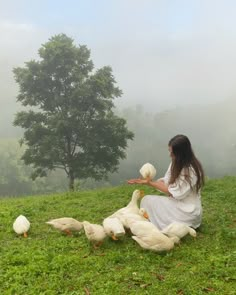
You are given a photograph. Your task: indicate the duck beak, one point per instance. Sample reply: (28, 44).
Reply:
(114, 238)
(145, 215)
(142, 194)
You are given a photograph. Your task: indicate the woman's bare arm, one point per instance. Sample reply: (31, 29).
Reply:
(159, 184)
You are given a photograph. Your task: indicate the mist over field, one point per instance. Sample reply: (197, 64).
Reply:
(174, 61)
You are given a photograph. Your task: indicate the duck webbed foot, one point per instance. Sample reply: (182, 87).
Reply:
(67, 232)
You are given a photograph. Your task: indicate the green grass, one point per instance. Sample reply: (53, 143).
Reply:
(48, 262)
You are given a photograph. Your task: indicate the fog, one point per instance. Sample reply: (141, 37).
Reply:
(169, 57)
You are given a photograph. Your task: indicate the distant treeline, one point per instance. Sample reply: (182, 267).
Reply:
(211, 130)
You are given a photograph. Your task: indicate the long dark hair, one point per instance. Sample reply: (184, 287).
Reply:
(184, 158)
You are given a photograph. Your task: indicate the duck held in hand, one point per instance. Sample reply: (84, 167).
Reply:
(148, 171)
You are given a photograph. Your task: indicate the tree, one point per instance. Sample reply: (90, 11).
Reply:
(69, 123)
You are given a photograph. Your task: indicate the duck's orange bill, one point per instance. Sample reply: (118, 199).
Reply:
(114, 238)
(145, 215)
(142, 194)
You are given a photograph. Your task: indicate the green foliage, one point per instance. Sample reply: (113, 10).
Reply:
(154, 129)
(13, 181)
(15, 175)
(71, 124)
(48, 262)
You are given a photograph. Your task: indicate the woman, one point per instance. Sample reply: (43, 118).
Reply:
(182, 184)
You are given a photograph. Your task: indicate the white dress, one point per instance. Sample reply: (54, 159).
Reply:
(184, 206)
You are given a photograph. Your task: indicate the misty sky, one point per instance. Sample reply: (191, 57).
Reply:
(163, 53)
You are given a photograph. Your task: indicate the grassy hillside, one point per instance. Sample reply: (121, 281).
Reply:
(48, 262)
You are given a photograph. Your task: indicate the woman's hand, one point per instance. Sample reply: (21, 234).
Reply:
(137, 181)
(161, 180)
(159, 184)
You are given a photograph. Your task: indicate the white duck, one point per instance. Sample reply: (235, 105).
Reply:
(142, 228)
(95, 233)
(143, 213)
(179, 230)
(141, 216)
(66, 224)
(132, 207)
(148, 171)
(21, 225)
(155, 242)
(148, 236)
(113, 227)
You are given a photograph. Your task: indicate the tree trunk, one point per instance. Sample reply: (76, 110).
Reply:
(71, 181)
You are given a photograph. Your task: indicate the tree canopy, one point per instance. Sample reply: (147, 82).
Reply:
(69, 122)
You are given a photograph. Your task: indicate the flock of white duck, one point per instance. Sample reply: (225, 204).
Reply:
(127, 219)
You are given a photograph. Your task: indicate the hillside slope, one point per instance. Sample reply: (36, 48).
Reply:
(48, 262)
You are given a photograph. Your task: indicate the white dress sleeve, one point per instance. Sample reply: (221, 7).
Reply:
(182, 188)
